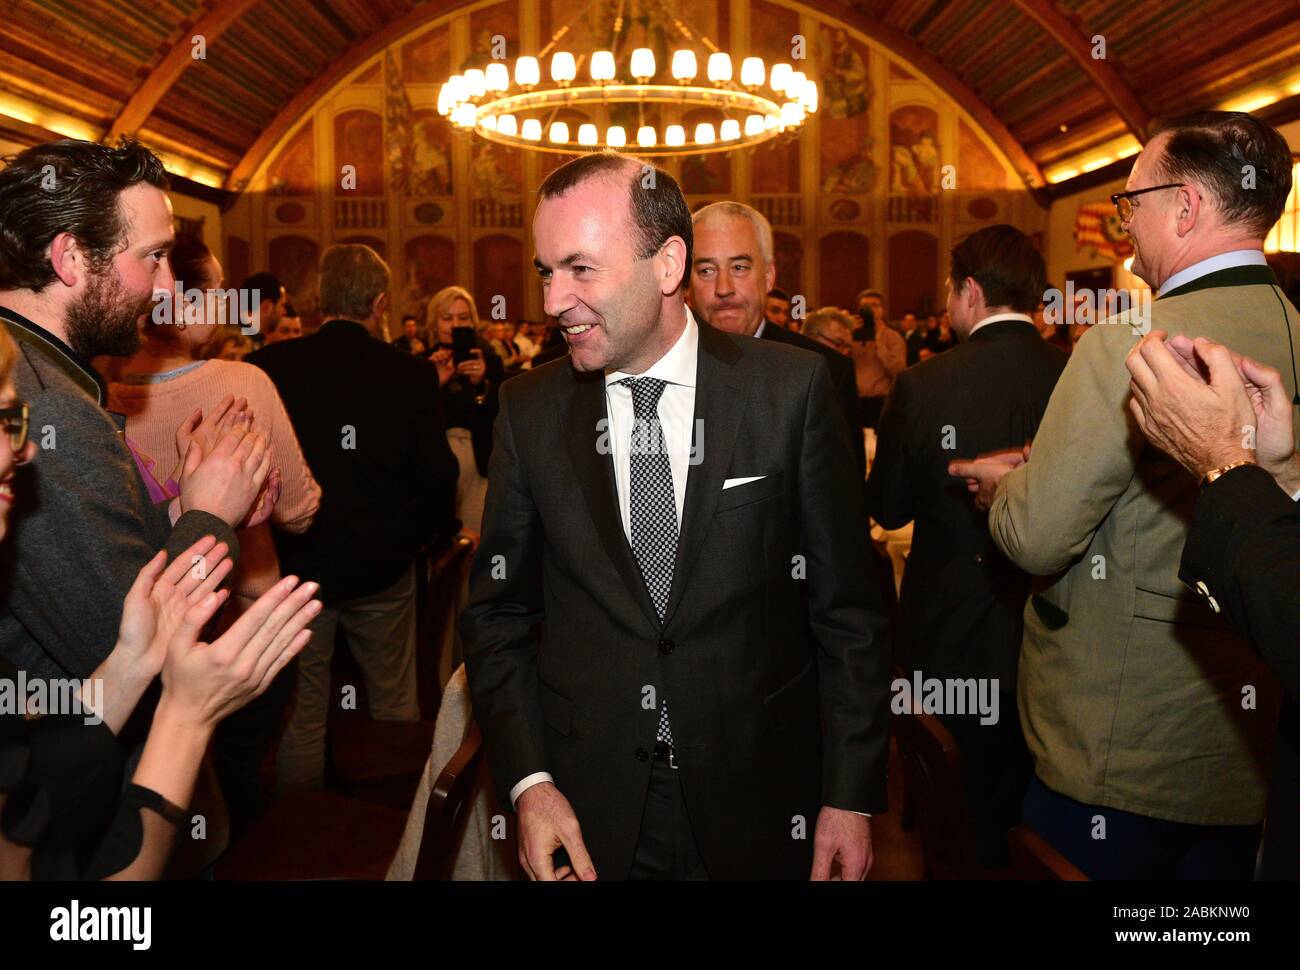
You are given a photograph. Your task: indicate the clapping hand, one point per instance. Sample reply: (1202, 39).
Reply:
(207, 429)
(226, 481)
(983, 474)
(443, 361)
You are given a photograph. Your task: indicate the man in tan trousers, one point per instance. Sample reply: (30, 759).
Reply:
(1150, 720)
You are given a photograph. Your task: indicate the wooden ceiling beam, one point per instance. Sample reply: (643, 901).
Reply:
(218, 15)
(1101, 72)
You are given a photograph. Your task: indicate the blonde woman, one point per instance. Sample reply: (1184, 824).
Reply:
(470, 390)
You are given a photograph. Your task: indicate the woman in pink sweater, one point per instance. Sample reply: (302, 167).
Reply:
(167, 381)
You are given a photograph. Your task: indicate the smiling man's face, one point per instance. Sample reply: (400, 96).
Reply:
(606, 299)
(729, 277)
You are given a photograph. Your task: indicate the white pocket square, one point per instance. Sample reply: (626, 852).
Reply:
(733, 482)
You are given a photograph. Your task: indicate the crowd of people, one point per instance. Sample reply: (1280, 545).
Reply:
(676, 641)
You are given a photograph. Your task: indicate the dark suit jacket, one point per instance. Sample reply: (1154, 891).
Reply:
(394, 489)
(961, 602)
(777, 678)
(1244, 545)
(846, 385)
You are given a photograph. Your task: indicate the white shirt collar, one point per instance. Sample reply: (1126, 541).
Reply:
(1237, 257)
(677, 366)
(1000, 316)
(761, 324)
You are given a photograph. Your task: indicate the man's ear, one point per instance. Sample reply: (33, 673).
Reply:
(68, 259)
(1188, 202)
(671, 265)
(379, 305)
(769, 278)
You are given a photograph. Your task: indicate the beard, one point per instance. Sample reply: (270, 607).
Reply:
(104, 319)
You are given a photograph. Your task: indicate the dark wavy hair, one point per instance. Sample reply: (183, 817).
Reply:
(66, 186)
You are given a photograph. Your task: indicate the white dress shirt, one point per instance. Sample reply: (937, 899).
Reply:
(1237, 257)
(1000, 316)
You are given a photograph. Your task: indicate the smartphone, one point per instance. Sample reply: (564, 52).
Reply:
(462, 344)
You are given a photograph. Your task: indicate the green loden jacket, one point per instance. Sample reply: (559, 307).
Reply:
(1134, 692)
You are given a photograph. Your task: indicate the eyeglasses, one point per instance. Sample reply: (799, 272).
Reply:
(15, 422)
(1124, 204)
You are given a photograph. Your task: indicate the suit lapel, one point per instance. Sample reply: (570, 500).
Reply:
(720, 398)
(585, 422)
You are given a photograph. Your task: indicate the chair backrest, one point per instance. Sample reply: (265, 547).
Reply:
(932, 773)
(446, 575)
(1034, 860)
(447, 813)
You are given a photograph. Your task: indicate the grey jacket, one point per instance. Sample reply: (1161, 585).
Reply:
(82, 525)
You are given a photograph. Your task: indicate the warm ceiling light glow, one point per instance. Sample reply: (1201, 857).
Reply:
(616, 137)
(645, 136)
(464, 115)
(563, 67)
(532, 129)
(476, 82)
(780, 77)
(1128, 265)
(602, 66)
(497, 76)
(459, 89)
(719, 66)
(587, 135)
(489, 122)
(559, 133)
(527, 72)
(754, 126)
(684, 65)
(675, 136)
(643, 63)
(508, 125)
(704, 134)
(730, 130)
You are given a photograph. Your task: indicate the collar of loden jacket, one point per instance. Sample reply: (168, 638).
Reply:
(58, 353)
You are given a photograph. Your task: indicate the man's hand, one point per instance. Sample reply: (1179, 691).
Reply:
(264, 504)
(227, 480)
(1194, 406)
(547, 823)
(841, 846)
(207, 428)
(983, 474)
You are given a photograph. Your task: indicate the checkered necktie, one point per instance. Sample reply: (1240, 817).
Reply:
(653, 509)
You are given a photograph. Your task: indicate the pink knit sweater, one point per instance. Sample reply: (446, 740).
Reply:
(153, 412)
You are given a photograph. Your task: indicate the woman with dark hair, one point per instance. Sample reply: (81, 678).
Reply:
(63, 811)
(168, 383)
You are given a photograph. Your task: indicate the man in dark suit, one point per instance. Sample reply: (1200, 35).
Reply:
(371, 427)
(1242, 553)
(961, 601)
(733, 272)
(707, 695)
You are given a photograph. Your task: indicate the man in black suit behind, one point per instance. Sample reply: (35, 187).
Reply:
(707, 695)
(369, 418)
(733, 271)
(961, 602)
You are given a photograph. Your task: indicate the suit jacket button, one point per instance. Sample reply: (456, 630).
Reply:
(642, 754)
(666, 647)
(979, 557)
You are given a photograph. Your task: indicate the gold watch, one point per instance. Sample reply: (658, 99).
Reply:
(1214, 474)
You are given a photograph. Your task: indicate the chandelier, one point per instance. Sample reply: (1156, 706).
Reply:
(625, 96)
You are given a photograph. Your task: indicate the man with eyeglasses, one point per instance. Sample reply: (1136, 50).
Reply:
(732, 274)
(1150, 719)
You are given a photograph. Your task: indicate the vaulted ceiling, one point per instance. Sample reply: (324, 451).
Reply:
(1025, 68)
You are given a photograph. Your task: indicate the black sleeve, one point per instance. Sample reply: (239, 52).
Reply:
(431, 502)
(889, 495)
(1244, 545)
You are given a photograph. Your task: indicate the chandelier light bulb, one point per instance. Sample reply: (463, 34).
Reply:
(445, 102)
(684, 65)
(497, 76)
(719, 66)
(532, 129)
(559, 133)
(780, 76)
(643, 63)
(602, 66)
(810, 97)
(770, 122)
(795, 86)
(675, 136)
(616, 137)
(527, 72)
(751, 72)
(563, 67)
(489, 122)
(508, 125)
(587, 135)
(645, 136)
(464, 115)
(476, 81)
(459, 89)
(754, 125)
(730, 130)
(704, 134)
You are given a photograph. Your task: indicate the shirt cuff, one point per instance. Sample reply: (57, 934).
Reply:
(536, 778)
(863, 814)
(1296, 496)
